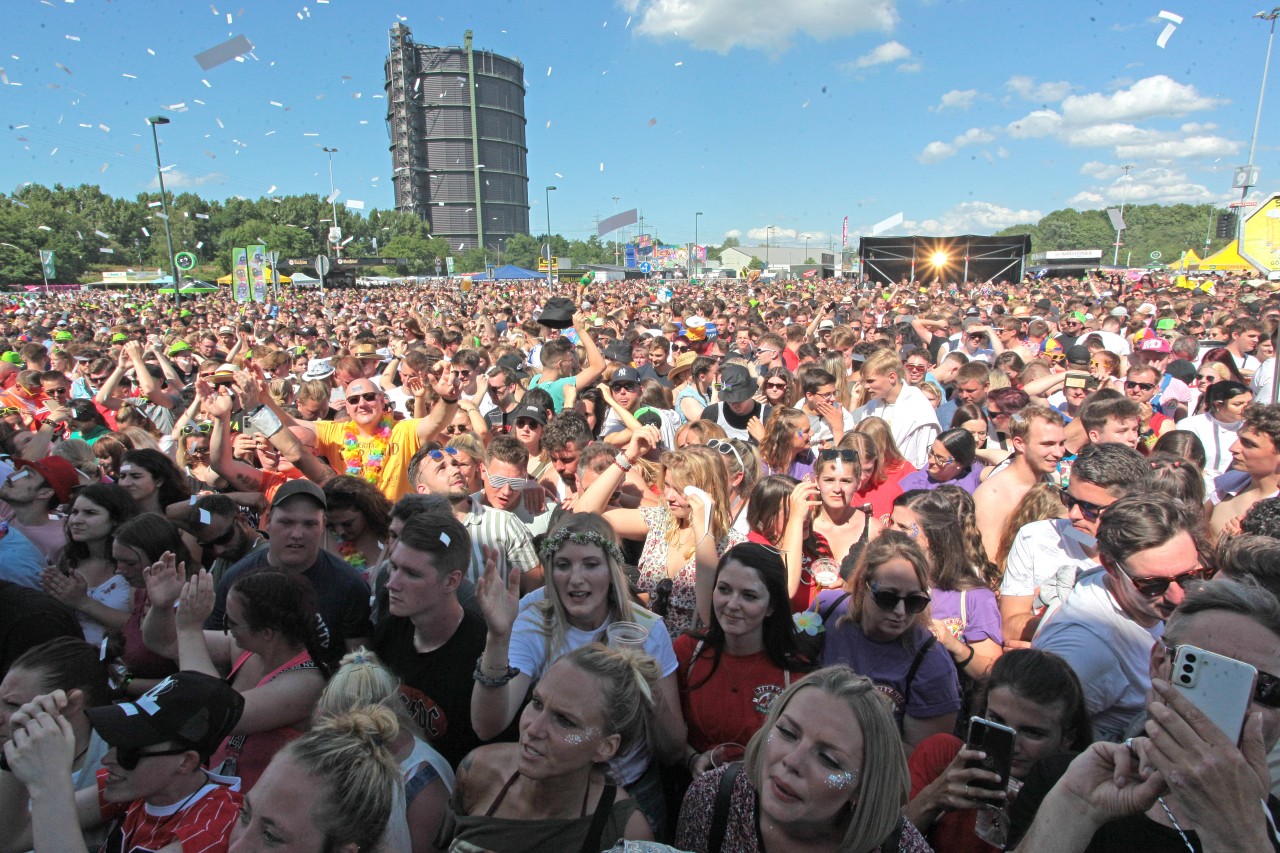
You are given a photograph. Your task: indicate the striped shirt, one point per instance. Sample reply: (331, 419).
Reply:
(201, 823)
(502, 531)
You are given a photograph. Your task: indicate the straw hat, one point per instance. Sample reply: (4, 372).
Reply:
(684, 362)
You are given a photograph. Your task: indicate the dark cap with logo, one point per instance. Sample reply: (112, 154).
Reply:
(188, 708)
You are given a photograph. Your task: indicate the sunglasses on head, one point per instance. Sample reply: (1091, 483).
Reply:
(1154, 587)
(887, 600)
(367, 396)
(1129, 385)
(844, 454)
(129, 756)
(1090, 511)
(197, 429)
(440, 454)
(724, 448)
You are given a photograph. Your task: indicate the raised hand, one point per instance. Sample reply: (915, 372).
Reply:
(164, 582)
(196, 602)
(71, 588)
(499, 600)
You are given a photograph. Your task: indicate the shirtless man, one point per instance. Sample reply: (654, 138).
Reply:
(1036, 434)
(1256, 453)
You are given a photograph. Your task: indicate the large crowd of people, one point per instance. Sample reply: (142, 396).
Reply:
(719, 566)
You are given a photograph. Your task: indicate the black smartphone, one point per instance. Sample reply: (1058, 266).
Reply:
(996, 741)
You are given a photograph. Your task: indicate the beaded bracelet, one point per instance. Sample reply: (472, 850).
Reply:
(487, 681)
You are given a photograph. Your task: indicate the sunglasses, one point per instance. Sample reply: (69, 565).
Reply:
(437, 455)
(9, 411)
(843, 454)
(776, 386)
(994, 413)
(679, 348)
(197, 429)
(724, 448)
(629, 387)
(1266, 689)
(662, 597)
(913, 602)
(1207, 377)
(222, 539)
(1090, 511)
(1129, 385)
(499, 482)
(527, 423)
(456, 429)
(368, 397)
(917, 368)
(128, 757)
(1154, 587)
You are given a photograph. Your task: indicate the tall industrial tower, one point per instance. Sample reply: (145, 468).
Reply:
(458, 155)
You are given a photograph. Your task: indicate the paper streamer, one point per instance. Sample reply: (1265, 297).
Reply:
(885, 224)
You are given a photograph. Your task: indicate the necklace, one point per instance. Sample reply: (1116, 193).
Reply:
(366, 459)
(1183, 835)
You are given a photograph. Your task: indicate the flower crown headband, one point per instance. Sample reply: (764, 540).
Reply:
(557, 540)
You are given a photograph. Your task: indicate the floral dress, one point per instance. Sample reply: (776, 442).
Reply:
(682, 611)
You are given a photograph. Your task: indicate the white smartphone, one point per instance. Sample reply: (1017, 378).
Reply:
(1221, 687)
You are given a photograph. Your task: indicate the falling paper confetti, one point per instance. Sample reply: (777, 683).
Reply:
(130, 76)
(230, 49)
(271, 189)
(104, 236)
(63, 67)
(886, 224)
(602, 167)
(1169, 28)
(678, 64)
(652, 122)
(355, 204)
(73, 38)
(146, 233)
(548, 70)
(107, 251)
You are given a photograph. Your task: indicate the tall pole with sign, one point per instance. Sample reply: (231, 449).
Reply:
(549, 264)
(164, 203)
(322, 269)
(335, 230)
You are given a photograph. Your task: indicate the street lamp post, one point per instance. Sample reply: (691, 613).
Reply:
(1124, 198)
(695, 242)
(768, 232)
(549, 191)
(616, 260)
(333, 200)
(164, 204)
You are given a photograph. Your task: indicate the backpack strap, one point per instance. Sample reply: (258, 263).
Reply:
(591, 844)
(915, 667)
(697, 650)
(720, 812)
(831, 609)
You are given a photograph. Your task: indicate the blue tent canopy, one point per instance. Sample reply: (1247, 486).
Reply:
(509, 271)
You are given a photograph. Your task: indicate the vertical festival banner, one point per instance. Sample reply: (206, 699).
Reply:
(257, 272)
(240, 274)
(844, 237)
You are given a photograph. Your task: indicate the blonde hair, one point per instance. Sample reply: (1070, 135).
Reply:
(883, 780)
(701, 467)
(867, 450)
(833, 363)
(703, 430)
(362, 680)
(878, 430)
(882, 362)
(354, 776)
(555, 618)
(1039, 503)
(627, 679)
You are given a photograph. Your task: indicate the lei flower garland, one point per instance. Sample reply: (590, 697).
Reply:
(358, 464)
(353, 556)
(556, 541)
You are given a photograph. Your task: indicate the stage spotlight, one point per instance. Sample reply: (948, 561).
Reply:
(939, 259)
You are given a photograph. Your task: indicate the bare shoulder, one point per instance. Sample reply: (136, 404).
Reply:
(483, 772)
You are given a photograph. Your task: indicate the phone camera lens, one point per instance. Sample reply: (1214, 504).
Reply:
(1186, 667)
(1191, 658)
(1185, 679)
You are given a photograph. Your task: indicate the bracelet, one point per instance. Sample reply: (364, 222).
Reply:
(688, 762)
(962, 664)
(452, 402)
(485, 681)
(622, 461)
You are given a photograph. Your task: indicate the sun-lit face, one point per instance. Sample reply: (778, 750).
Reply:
(812, 761)
(740, 600)
(562, 729)
(582, 581)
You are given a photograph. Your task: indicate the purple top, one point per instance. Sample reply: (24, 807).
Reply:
(982, 614)
(920, 480)
(934, 690)
(800, 466)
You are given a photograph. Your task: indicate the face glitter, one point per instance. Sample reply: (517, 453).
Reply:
(841, 781)
(581, 736)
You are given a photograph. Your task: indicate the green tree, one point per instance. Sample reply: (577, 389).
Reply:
(756, 263)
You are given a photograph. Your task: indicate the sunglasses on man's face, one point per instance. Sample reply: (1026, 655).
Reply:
(500, 482)
(1130, 385)
(368, 397)
(1156, 587)
(129, 757)
(1090, 511)
(887, 600)
(221, 539)
(456, 429)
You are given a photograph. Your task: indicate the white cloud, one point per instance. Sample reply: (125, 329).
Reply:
(935, 151)
(910, 67)
(769, 25)
(772, 235)
(1035, 124)
(1155, 185)
(1028, 89)
(956, 99)
(1148, 98)
(175, 178)
(972, 217)
(735, 233)
(1179, 148)
(890, 51)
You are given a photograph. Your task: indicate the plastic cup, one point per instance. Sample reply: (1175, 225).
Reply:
(727, 753)
(627, 635)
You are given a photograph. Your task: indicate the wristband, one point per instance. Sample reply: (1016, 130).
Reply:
(622, 461)
(452, 402)
(962, 664)
(688, 762)
(486, 681)
(266, 421)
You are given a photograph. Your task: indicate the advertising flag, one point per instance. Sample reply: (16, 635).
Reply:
(46, 262)
(844, 237)
(258, 272)
(240, 274)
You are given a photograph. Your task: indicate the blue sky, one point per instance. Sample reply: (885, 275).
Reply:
(962, 115)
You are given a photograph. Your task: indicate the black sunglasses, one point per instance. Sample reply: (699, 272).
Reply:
(1153, 587)
(1129, 384)
(223, 539)
(1090, 511)
(662, 597)
(913, 602)
(843, 454)
(367, 396)
(128, 757)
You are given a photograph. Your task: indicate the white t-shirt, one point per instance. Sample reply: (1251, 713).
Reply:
(912, 420)
(1263, 381)
(1108, 651)
(1216, 438)
(1044, 560)
(1112, 342)
(528, 653)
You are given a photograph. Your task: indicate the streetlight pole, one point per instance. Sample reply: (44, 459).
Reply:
(768, 232)
(333, 200)
(616, 261)
(695, 240)
(1257, 119)
(549, 191)
(164, 203)
(1115, 259)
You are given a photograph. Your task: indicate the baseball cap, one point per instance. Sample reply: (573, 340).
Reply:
(515, 364)
(226, 330)
(179, 346)
(826, 324)
(60, 474)
(1147, 308)
(534, 413)
(1156, 345)
(1166, 324)
(12, 358)
(1078, 354)
(190, 708)
(624, 374)
(736, 384)
(309, 332)
(1119, 311)
(300, 486)
(119, 337)
(63, 336)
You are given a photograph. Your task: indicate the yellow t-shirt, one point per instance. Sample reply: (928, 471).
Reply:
(394, 479)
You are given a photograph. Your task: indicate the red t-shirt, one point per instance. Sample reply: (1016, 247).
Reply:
(731, 706)
(202, 823)
(954, 831)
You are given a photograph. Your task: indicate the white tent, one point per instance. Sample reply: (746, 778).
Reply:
(301, 279)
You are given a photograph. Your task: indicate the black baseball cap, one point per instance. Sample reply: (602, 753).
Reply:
(300, 486)
(189, 708)
(535, 413)
(623, 375)
(1078, 354)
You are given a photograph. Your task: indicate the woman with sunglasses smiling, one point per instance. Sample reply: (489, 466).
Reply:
(779, 388)
(881, 627)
